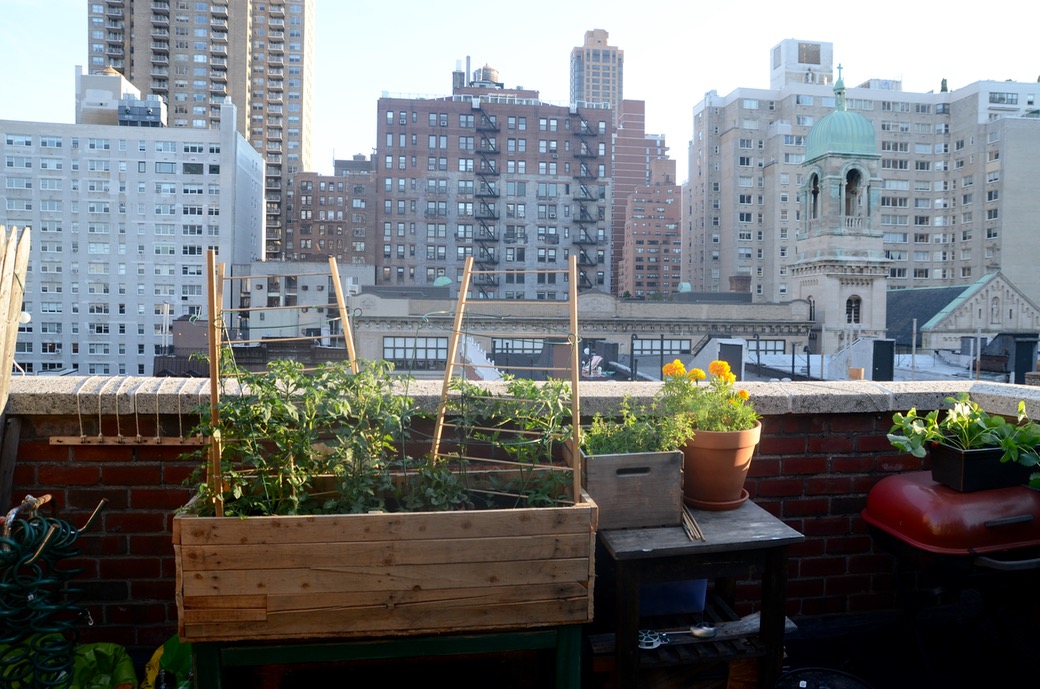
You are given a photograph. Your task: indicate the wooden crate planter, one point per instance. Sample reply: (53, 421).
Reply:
(383, 574)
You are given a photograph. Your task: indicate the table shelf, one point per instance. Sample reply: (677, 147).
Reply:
(732, 641)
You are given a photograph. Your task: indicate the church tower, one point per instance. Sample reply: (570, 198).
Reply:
(841, 269)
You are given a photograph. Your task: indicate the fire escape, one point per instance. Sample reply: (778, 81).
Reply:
(589, 210)
(486, 212)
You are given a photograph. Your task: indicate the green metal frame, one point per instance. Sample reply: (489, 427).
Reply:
(211, 659)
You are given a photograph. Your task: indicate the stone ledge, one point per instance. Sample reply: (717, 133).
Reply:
(91, 396)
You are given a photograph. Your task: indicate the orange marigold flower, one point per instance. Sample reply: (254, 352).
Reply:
(668, 369)
(743, 395)
(718, 368)
(696, 374)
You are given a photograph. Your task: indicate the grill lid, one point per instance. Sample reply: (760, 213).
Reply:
(929, 516)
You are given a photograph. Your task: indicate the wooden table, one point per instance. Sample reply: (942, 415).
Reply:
(735, 543)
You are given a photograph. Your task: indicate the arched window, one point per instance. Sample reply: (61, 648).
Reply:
(852, 309)
(814, 197)
(812, 309)
(852, 192)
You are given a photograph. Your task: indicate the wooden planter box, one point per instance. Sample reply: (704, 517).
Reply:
(383, 574)
(635, 489)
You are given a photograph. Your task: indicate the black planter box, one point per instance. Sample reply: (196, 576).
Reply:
(971, 470)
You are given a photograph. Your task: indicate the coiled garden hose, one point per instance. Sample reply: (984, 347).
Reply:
(38, 609)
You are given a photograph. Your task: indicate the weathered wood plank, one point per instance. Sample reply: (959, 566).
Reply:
(375, 601)
(396, 622)
(348, 578)
(383, 553)
(382, 526)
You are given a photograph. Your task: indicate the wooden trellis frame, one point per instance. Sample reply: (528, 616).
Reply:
(12, 289)
(571, 371)
(220, 342)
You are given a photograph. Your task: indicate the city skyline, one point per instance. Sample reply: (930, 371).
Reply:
(674, 55)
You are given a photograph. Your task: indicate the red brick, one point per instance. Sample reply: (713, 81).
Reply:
(804, 587)
(42, 452)
(103, 453)
(807, 507)
(856, 424)
(873, 443)
(804, 465)
(810, 547)
(158, 498)
(828, 486)
(66, 475)
(869, 564)
(132, 475)
(782, 445)
(801, 424)
(848, 585)
(831, 443)
(156, 545)
(764, 466)
(780, 487)
(830, 526)
(852, 464)
(849, 544)
(130, 568)
(135, 521)
(898, 463)
(87, 499)
(821, 567)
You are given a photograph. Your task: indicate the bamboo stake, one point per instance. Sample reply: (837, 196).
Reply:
(216, 329)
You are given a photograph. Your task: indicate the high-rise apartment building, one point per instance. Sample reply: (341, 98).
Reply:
(598, 72)
(496, 174)
(635, 152)
(955, 197)
(200, 55)
(650, 263)
(122, 217)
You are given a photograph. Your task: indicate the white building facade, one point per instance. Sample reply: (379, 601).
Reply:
(957, 174)
(121, 219)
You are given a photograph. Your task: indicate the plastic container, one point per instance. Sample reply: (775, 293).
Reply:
(672, 597)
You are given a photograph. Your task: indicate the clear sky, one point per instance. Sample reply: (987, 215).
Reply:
(675, 52)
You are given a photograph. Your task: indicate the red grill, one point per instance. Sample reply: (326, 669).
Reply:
(998, 529)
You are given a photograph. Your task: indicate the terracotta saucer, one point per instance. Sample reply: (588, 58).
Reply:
(718, 506)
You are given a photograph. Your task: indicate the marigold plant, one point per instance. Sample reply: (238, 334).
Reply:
(694, 401)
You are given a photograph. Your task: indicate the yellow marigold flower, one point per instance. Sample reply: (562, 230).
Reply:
(730, 378)
(743, 395)
(718, 368)
(676, 368)
(696, 374)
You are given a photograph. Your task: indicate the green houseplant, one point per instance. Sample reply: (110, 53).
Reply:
(325, 441)
(968, 446)
(716, 426)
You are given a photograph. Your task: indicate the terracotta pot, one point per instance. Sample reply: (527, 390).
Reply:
(715, 465)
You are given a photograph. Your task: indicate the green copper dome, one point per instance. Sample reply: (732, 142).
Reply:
(841, 132)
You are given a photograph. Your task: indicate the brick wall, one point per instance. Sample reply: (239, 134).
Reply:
(822, 450)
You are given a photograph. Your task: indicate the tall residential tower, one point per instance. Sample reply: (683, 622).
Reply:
(598, 72)
(200, 55)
